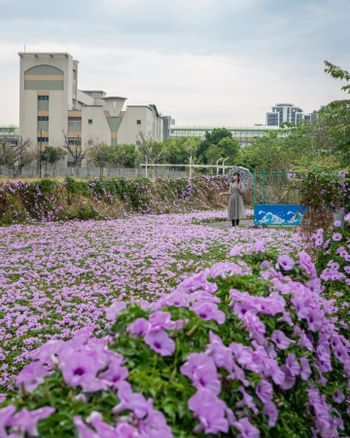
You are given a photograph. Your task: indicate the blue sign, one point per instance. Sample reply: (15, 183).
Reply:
(269, 214)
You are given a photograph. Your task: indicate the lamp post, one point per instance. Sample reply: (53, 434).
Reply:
(146, 166)
(223, 165)
(217, 165)
(41, 151)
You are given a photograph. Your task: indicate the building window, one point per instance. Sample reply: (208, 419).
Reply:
(138, 122)
(43, 118)
(43, 97)
(90, 142)
(43, 139)
(90, 121)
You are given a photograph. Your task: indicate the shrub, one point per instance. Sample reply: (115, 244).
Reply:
(208, 359)
(333, 264)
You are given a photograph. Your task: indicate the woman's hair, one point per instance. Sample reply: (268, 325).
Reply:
(239, 176)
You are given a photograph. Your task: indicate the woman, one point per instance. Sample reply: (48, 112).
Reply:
(236, 210)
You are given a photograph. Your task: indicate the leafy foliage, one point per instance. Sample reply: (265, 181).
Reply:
(209, 359)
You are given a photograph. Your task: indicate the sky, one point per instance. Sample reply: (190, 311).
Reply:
(204, 62)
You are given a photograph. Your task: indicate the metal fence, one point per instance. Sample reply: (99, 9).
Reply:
(146, 170)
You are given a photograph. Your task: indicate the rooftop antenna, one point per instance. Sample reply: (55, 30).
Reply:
(24, 47)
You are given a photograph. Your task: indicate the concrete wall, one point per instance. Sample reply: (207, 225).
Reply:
(98, 131)
(151, 125)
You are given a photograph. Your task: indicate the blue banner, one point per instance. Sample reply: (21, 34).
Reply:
(269, 214)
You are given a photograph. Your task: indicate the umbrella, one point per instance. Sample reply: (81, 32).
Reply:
(246, 177)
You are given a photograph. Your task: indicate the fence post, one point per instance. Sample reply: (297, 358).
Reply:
(254, 187)
(190, 168)
(146, 166)
(263, 186)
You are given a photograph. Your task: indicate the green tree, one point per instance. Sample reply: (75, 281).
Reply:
(212, 137)
(100, 156)
(266, 153)
(124, 155)
(179, 150)
(51, 155)
(338, 73)
(213, 153)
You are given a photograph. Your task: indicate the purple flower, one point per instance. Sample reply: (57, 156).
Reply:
(139, 327)
(292, 365)
(201, 370)
(259, 246)
(32, 376)
(210, 411)
(247, 400)
(338, 396)
(160, 320)
(115, 310)
(208, 311)
(221, 354)
(79, 368)
(337, 237)
(307, 264)
(286, 262)
(154, 425)
(160, 342)
(280, 339)
(324, 421)
(26, 421)
(235, 251)
(83, 430)
(115, 373)
(264, 391)
(271, 411)
(305, 370)
(5, 417)
(131, 401)
(246, 429)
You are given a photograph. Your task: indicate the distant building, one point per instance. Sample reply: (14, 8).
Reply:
(10, 133)
(143, 121)
(53, 109)
(284, 113)
(311, 116)
(245, 135)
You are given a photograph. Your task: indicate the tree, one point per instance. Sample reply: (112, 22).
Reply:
(230, 148)
(123, 155)
(338, 73)
(75, 151)
(51, 155)
(213, 153)
(179, 150)
(100, 156)
(16, 156)
(150, 150)
(213, 137)
(266, 153)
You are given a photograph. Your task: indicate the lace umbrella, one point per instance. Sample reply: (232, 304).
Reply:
(246, 176)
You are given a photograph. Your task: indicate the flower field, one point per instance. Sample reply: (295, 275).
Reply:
(171, 328)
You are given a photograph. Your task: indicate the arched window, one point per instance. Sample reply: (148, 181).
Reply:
(43, 77)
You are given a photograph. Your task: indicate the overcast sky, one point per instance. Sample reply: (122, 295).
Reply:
(204, 62)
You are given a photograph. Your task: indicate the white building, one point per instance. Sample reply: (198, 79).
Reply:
(284, 113)
(246, 135)
(53, 109)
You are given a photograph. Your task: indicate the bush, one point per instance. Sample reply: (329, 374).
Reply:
(105, 198)
(333, 264)
(208, 359)
(324, 191)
